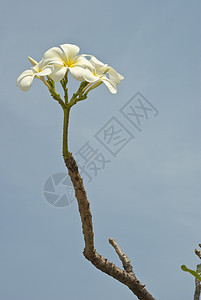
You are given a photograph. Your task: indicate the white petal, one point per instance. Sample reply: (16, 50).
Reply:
(71, 51)
(82, 74)
(82, 62)
(44, 63)
(97, 62)
(25, 73)
(110, 85)
(99, 72)
(78, 73)
(46, 71)
(54, 53)
(32, 61)
(26, 82)
(89, 76)
(114, 76)
(58, 73)
(55, 62)
(40, 66)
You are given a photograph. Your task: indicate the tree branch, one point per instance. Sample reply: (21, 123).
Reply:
(123, 257)
(126, 276)
(197, 289)
(197, 281)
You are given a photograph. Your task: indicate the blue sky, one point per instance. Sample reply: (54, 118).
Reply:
(148, 197)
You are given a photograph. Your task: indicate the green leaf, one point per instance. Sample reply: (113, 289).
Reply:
(184, 268)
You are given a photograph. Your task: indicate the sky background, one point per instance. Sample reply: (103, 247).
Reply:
(148, 197)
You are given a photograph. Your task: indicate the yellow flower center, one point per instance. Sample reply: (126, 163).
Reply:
(69, 63)
(94, 73)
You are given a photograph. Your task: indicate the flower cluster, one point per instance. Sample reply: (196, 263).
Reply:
(56, 63)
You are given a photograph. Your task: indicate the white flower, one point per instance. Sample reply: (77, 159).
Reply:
(68, 59)
(99, 71)
(41, 69)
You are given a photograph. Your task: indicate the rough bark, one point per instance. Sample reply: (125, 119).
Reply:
(197, 282)
(197, 289)
(126, 276)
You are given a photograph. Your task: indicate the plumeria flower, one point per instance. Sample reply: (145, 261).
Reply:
(68, 59)
(99, 71)
(40, 70)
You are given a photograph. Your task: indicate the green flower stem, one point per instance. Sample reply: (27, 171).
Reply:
(44, 81)
(57, 97)
(87, 86)
(93, 86)
(65, 132)
(184, 268)
(64, 83)
(54, 93)
(78, 96)
(75, 100)
(66, 106)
